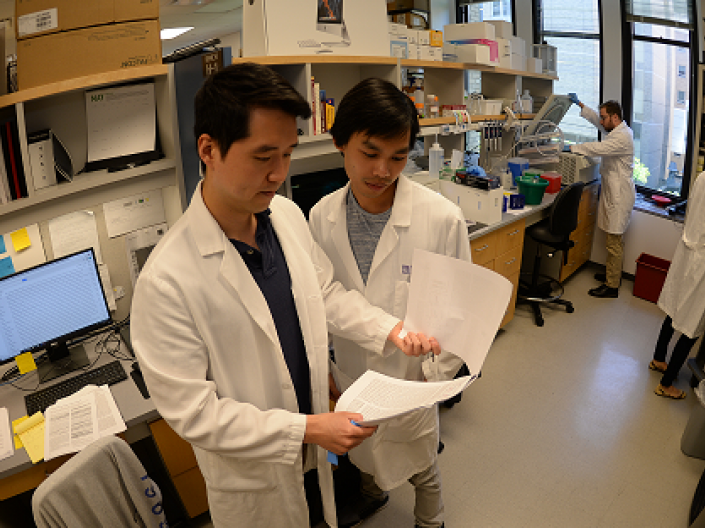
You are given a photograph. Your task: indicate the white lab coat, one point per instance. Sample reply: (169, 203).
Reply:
(422, 219)
(683, 293)
(618, 192)
(209, 352)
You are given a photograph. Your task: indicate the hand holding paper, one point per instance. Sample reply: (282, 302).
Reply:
(413, 343)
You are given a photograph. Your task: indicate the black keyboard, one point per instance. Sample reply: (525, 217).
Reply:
(104, 375)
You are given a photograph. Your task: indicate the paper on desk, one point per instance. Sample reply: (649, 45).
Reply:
(134, 212)
(120, 121)
(6, 449)
(459, 303)
(31, 433)
(379, 398)
(74, 232)
(78, 420)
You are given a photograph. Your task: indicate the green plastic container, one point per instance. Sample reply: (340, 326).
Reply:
(532, 189)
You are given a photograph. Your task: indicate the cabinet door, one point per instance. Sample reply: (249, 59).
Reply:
(509, 314)
(509, 263)
(484, 249)
(510, 236)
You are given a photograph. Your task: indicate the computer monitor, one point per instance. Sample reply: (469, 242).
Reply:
(329, 19)
(47, 306)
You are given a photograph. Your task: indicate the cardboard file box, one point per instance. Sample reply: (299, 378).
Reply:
(473, 30)
(472, 53)
(39, 17)
(476, 204)
(534, 65)
(502, 28)
(70, 54)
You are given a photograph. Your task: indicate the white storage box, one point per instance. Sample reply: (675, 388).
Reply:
(513, 62)
(502, 28)
(412, 35)
(505, 50)
(548, 56)
(398, 31)
(399, 49)
(534, 65)
(472, 53)
(425, 52)
(437, 53)
(476, 204)
(492, 106)
(423, 37)
(518, 45)
(473, 30)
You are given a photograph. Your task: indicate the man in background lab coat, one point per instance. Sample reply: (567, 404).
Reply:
(229, 315)
(369, 230)
(618, 193)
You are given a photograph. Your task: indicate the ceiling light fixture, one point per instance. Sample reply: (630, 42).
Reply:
(170, 33)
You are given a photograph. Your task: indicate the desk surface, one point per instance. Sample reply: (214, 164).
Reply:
(531, 213)
(133, 407)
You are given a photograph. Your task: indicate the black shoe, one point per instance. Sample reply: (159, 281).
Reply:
(441, 447)
(604, 292)
(442, 525)
(366, 508)
(601, 276)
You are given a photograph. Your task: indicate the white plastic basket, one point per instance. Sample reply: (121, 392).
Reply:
(492, 106)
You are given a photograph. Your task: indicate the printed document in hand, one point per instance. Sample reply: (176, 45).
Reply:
(6, 449)
(76, 421)
(459, 303)
(379, 398)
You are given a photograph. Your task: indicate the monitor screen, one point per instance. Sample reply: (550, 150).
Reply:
(330, 11)
(308, 189)
(52, 303)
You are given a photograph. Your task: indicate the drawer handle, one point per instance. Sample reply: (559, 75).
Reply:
(510, 262)
(482, 248)
(514, 232)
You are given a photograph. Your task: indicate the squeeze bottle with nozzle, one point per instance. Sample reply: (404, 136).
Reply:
(435, 160)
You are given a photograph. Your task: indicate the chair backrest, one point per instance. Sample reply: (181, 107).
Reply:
(563, 216)
(102, 486)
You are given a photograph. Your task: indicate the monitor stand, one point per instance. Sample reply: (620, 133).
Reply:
(62, 360)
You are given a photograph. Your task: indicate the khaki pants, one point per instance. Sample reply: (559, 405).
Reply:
(428, 510)
(615, 255)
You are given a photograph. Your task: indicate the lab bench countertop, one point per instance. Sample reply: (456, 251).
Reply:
(530, 213)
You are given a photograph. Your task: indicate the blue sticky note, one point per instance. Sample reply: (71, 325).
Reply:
(2, 245)
(6, 267)
(332, 458)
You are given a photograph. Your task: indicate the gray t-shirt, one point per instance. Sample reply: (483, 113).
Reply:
(364, 230)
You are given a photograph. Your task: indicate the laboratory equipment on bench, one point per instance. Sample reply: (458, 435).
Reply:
(435, 159)
(577, 168)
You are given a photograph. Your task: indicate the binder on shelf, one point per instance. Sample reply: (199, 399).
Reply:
(13, 159)
(49, 160)
(5, 195)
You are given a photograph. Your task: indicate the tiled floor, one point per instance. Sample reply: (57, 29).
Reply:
(563, 428)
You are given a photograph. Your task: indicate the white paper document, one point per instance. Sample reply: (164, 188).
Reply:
(134, 212)
(75, 422)
(459, 303)
(379, 398)
(139, 244)
(6, 447)
(75, 232)
(120, 121)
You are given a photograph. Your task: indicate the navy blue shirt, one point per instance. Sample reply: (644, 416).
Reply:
(268, 267)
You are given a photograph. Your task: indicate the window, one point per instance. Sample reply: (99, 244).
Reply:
(660, 90)
(574, 29)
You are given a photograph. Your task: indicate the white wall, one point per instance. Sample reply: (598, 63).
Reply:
(234, 40)
(442, 13)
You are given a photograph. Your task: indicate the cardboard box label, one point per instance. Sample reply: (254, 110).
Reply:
(40, 21)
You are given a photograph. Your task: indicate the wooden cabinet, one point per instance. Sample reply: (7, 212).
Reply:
(501, 252)
(584, 233)
(180, 461)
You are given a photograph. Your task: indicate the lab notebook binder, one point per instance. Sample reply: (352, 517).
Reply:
(49, 160)
(9, 138)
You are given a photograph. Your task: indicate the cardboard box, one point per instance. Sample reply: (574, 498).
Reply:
(398, 31)
(513, 62)
(472, 53)
(502, 28)
(437, 53)
(424, 37)
(398, 5)
(476, 204)
(473, 30)
(399, 48)
(70, 54)
(413, 51)
(39, 17)
(436, 38)
(518, 45)
(412, 35)
(534, 65)
(425, 52)
(411, 20)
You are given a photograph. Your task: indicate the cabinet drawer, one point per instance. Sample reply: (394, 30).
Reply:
(509, 314)
(484, 248)
(176, 452)
(510, 236)
(507, 264)
(489, 264)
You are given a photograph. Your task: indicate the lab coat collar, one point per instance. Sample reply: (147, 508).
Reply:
(341, 240)
(210, 240)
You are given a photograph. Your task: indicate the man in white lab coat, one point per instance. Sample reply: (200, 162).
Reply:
(229, 315)
(369, 230)
(618, 193)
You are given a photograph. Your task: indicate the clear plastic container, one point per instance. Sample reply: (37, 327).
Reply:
(527, 103)
(435, 160)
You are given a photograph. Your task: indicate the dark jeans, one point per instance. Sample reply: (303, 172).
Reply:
(679, 354)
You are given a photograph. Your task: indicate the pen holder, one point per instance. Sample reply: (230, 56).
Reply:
(517, 201)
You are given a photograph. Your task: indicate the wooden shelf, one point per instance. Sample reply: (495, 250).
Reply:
(411, 63)
(81, 83)
(473, 119)
(317, 59)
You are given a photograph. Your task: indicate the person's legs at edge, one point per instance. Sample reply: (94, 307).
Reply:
(664, 338)
(678, 357)
(428, 510)
(615, 254)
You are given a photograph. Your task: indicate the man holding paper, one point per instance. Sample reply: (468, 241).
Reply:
(369, 230)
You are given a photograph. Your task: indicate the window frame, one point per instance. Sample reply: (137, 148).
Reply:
(628, 39)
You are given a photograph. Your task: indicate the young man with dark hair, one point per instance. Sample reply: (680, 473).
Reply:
(229, 314)
(618, 192)
(369, 230)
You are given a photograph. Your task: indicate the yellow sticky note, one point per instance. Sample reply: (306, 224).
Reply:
(31, 432)
(15, 423)
(20, 239)
(25, 362)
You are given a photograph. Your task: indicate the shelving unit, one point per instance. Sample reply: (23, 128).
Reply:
(61, 108)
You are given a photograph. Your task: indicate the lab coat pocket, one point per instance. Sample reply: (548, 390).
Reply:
(411, 426)
(401, 296)
(235, 474)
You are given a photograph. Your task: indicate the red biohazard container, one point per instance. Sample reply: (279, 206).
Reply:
(554, 181)
(650, 275)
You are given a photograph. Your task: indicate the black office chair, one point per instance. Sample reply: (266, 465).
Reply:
(553, 231)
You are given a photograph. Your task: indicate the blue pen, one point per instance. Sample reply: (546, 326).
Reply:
(332, 457)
